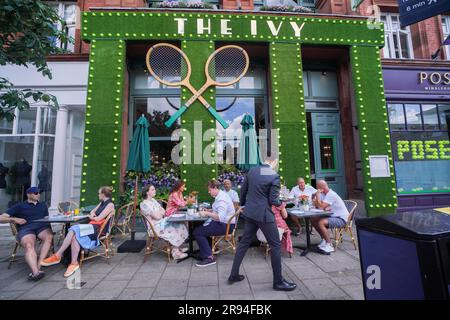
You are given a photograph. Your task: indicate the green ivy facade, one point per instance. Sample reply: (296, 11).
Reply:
(109, 31)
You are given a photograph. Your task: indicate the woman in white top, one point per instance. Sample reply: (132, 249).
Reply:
(175, 233)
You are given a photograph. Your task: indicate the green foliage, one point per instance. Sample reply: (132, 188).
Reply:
(27, 36)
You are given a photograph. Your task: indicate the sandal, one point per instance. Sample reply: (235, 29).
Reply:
(36, 277)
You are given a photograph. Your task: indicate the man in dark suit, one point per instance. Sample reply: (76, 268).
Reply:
(261, 190)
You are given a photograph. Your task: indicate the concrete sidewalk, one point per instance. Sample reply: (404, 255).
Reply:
(318, 276)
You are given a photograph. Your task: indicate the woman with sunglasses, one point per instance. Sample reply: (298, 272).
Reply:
(84, 236)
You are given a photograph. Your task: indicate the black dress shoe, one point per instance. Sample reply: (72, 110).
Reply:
(284, 286)
(233, 279)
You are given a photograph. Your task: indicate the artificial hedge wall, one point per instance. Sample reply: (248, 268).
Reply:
(108, 30)
(102, 136)
(380, 193)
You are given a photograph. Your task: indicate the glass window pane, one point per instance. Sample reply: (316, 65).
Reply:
(413, 118)
(16, 154)
(396, 116)
(254, 79)
(27, 121)
(404, 45)
(396, 46)
(327, 153)
(444, 116)
(430, 117)
(324, 84)
(157, 111)
(305, 83)
(232, 110)
(48, 120)
(45, 167)
(70, 14)
(6, 126)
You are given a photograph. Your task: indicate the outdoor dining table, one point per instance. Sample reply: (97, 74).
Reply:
(307, 215)
(182, 216)
(67, 221)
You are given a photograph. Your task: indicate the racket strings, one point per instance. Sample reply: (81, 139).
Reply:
(227, 65)
(168, 64)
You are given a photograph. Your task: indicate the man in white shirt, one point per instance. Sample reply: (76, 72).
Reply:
(222, 211)
(301, 189)
(233, 194)
(331, 202)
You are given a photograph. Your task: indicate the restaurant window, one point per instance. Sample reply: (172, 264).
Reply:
(26, 150)
(67, 11)
(398, 44)
(248, 96)
(421, 148)
(446, 33)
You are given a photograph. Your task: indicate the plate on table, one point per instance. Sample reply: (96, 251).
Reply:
(317, 210)
(57, 217)
(178, 215)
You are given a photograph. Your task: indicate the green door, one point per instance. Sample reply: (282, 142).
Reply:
(328, 151)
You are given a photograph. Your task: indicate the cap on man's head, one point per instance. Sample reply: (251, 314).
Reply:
(33, 190)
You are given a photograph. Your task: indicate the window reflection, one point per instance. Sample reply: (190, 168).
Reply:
(327, 153)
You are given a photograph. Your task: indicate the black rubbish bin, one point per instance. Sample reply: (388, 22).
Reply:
(405, 256)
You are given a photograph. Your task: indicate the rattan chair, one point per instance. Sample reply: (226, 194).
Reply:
(339, 232)
(154, 242)
(105, 249)
(265, 244)
(229, 238)
(122, 219)
(17, 245)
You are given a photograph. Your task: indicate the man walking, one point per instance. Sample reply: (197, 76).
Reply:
(261, 190)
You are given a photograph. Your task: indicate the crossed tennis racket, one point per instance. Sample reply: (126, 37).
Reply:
(170, 66)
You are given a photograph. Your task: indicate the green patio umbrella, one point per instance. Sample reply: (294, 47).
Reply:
(249, 154)
(138, 162)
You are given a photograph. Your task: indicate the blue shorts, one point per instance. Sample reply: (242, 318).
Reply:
(32, 228)
(335, 222)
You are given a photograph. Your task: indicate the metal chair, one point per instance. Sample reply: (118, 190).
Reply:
(105, 249)
(153, 239)
(228, 238)
(17, 245)
(122, 219)
(339, 232)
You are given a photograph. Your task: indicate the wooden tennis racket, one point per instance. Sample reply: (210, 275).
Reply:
(170, 66)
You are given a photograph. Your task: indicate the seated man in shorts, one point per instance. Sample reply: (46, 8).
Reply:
(327, 199)
(23, 215)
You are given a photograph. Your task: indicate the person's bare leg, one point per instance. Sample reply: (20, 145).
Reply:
(29, 242)
(66, 243)
(296, 221)
(322, 229)
(47, 237)
(75, 248)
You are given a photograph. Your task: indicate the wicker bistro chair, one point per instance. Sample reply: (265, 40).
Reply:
(263, 241)
(228, 238)
(17, 245)
(105, 249)
(154, 242)
(339, 232)
(122, 219)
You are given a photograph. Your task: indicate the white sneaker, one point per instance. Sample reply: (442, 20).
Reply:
(322, 243)
(327, 248)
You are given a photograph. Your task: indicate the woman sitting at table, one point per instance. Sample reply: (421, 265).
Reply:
(281, 215)
(176, 200)
(84, 235)
(175, 233)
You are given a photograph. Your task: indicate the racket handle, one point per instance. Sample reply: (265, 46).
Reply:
(218, 117)
(175, 116)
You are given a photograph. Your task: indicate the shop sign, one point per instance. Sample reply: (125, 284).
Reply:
(412, 11)
(432, 81)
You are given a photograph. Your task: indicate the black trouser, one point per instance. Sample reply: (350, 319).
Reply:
(270, 231)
